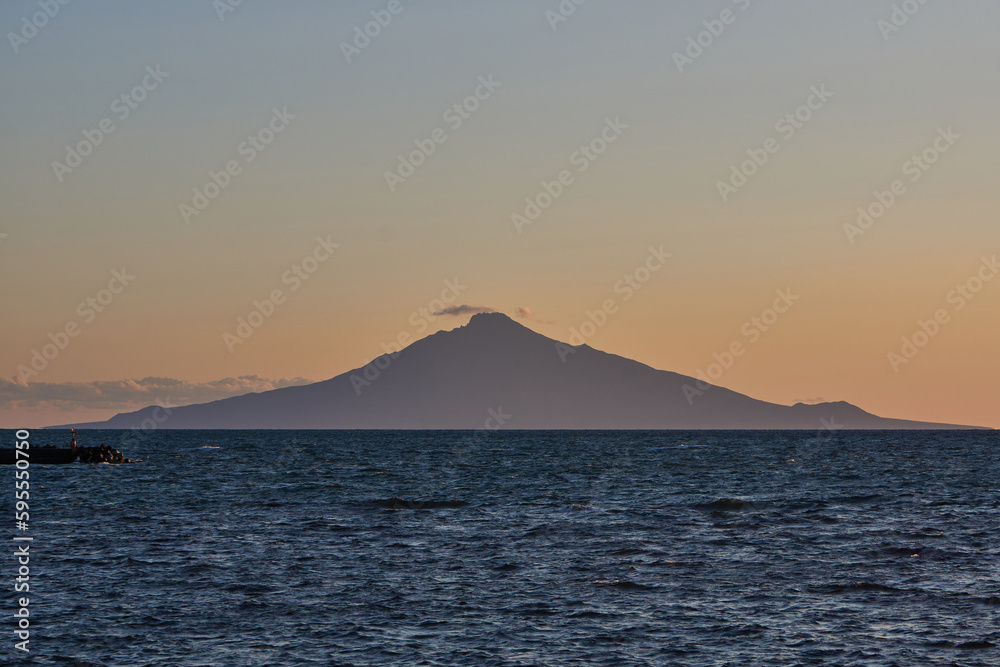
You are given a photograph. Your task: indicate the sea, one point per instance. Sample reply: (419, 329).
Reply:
(511, 548)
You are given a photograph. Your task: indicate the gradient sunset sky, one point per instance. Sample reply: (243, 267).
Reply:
(682, 125)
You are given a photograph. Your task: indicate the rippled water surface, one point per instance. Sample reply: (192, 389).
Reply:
(517, 548)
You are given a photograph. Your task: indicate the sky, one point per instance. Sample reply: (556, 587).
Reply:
(168, 168)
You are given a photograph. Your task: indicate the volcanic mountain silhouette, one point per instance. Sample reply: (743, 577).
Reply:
(495, 370)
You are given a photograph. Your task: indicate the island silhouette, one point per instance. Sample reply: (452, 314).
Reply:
(496, 373)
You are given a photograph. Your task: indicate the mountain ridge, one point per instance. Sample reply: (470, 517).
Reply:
(454, 379)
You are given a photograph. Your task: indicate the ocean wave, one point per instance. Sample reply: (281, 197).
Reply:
(395, 503)
(728, 505)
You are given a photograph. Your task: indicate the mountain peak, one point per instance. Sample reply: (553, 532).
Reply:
(493, 327)
(491, 319)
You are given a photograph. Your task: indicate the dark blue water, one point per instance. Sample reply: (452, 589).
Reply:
(516, 548)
